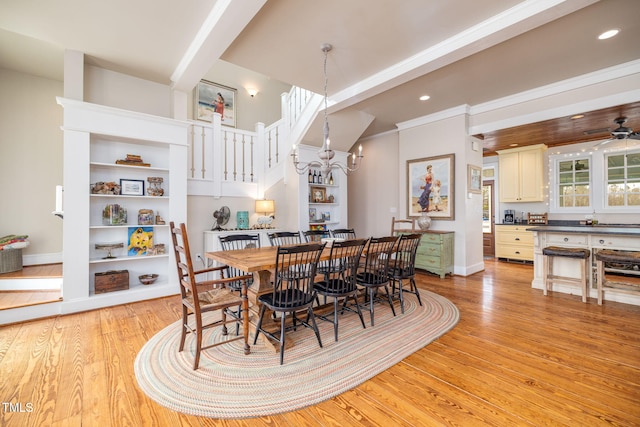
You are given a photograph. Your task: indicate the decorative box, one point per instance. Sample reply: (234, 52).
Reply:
(112, 280)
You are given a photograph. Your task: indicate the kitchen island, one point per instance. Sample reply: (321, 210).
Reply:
(594, 238)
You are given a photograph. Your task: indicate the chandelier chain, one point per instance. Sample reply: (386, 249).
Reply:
(325, 154)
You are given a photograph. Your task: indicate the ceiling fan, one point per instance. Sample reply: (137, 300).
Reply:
(621, 132)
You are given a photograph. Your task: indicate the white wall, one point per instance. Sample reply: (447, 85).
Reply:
(31, 162)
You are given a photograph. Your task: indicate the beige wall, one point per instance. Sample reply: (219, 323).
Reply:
(30, 161)
(373, 189)
(440, 137)
(119, 90)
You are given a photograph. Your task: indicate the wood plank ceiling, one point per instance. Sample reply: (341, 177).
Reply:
(594, 126)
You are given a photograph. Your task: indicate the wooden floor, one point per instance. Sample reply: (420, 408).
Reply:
(515, 358)
(14, 299)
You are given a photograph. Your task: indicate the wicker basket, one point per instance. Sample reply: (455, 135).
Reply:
(10, 260)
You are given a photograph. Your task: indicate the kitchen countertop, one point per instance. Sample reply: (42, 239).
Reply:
(627, 229)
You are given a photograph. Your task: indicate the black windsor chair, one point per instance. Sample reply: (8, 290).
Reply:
(373, 273)
(402, 266)
(281, 238)
(292, 290)
(340, 280)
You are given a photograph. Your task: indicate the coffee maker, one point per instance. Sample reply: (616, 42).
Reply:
(509, 216)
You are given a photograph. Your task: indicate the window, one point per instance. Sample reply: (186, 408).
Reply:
(573, 183)
(623, 179)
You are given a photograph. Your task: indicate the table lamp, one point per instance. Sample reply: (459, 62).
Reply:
(266, 207)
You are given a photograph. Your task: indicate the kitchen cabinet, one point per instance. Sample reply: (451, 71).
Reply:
(593, 238)
(514, 242)
(522, 174)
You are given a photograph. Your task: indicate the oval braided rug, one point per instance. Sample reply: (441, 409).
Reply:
(229, 384)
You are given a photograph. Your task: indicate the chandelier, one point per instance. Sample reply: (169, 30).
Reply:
(326, 154)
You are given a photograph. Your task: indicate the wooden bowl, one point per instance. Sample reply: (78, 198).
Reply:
(147, 279)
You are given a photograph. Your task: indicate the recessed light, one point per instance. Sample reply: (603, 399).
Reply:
(424, 97)
(577, 116)
(513, 145)
(608, 34)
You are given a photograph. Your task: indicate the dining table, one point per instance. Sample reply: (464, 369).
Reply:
(261, 263)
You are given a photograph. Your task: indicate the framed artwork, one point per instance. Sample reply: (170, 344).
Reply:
(212, 98)
(140, 241)
(431, 187)
(326, 216)
(132, 187)
(474, 179)
(318, 194)
(312, 214)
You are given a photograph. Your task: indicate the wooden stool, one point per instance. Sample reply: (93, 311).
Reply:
(618, 257)
(575, 253)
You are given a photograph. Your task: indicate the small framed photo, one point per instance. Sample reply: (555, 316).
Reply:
(212, 98)
(318, 194)
(312, 214)
(132, 187)
(474, 179)
(326, 216)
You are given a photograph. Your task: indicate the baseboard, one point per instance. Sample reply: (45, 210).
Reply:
(468, 270)
(40, 259)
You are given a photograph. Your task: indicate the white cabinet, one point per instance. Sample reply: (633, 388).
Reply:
(323, 203)
(591, 238)
(522, 174)
(95, 137)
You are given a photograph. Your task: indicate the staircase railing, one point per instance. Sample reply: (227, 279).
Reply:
(224, 161)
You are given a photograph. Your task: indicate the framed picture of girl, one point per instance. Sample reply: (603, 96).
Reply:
(430, 187)
(212, 98)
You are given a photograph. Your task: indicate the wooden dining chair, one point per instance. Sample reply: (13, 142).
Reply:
(339, 280)
(373, 273)
(203, 296)
(402, 225)
(292, 291)
(280, 238)
(402, 267)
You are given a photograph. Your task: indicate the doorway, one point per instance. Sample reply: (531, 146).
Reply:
(488, 219)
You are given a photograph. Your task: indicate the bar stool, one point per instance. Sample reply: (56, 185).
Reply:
(582, 254)
(618, 257)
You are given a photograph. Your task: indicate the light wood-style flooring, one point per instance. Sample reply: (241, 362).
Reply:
(516, 358)
(14, 299)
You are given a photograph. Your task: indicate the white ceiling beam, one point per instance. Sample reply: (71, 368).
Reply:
(225, 22)
(508, 24)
